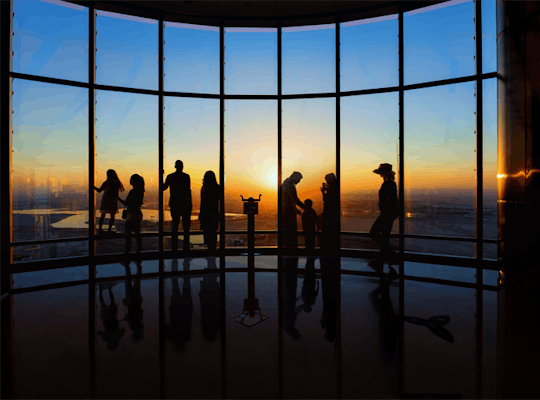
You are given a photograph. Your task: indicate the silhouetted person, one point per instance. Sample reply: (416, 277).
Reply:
(329, 267)
(179, 202)
(209, 214)
(310, 224)
(112, 332)
(388, 204)
(330, 221)
(133, 203)
(289, 211)
(310, 286)
(210, 301)
(133, 301)
(109, 202)
(180, 310)
(290, 311)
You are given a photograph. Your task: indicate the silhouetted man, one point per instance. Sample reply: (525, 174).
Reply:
(179, 202)
(289, 202)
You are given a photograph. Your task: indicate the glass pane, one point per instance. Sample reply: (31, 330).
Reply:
(127, 142)
(309, 147)
(489, 36)
(442, 247)
(50, 161)
(191, 58)
(250, 60)
(251, 162)
(50, 250)
(127, 51)
(369, 137)
(50, 39)
(369, 53)
(192, 136)
(440, 160)
(309, 59)
(490, 158)
(439, 42)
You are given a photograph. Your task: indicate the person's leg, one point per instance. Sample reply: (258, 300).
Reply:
(128, 231)
(101, 219)
(111, 222)
(137, 231)
(375, 232)
(186, 224)
(174, 229)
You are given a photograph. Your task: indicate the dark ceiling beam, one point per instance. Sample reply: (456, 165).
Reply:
(258, 13)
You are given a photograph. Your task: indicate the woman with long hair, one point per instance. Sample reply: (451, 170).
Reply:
(209, 213)
(109, 204)
(388, 204)
(133, 204)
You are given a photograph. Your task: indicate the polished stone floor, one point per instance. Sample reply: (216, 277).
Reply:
(329, 332)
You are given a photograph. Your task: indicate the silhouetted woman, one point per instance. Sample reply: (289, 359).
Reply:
(388, 204)
(209, 214)
(109, 203)
(330, 220)
(133, 203)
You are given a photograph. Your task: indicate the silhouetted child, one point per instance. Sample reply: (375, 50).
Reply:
(109, 203)
(310, 224)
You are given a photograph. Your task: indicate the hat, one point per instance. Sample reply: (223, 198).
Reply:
(384, 169)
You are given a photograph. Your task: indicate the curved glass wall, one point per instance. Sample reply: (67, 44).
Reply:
(247, 103)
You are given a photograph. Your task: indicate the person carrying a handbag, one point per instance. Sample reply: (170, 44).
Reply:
(132, 213)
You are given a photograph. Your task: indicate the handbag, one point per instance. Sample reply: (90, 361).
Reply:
(124, 213)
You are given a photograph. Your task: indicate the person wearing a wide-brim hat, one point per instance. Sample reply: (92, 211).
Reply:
(388, 204)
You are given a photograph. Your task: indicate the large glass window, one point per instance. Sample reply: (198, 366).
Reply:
(309, 59)
(55, 46)
(50, 122)
(369, 137)
(127, 51)
(191, 136)
(439, 42)
(440, 161)
(251, 162)
(127, 142)
(369, 53)
(251, 61)
(191, 61)
(50, 164)
(309, 147)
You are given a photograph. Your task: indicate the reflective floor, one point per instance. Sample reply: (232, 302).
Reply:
(311, 330)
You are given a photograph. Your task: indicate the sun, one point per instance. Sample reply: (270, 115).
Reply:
(272, 176)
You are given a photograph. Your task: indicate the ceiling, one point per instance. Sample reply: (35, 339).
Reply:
(250, 13)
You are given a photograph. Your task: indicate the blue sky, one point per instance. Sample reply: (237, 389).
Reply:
(439, 122)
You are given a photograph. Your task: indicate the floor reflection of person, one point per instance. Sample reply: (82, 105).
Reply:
(289, 211)
(109, 202)
(388, 204)
(329, 267)
(133, 203)
(290, 311)
(209, 213)
(310, 286)
(133, 302)
(181, 309)
(210, 301)
(330, 220)
(180, 203)
(388, 328)
(111, 333)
